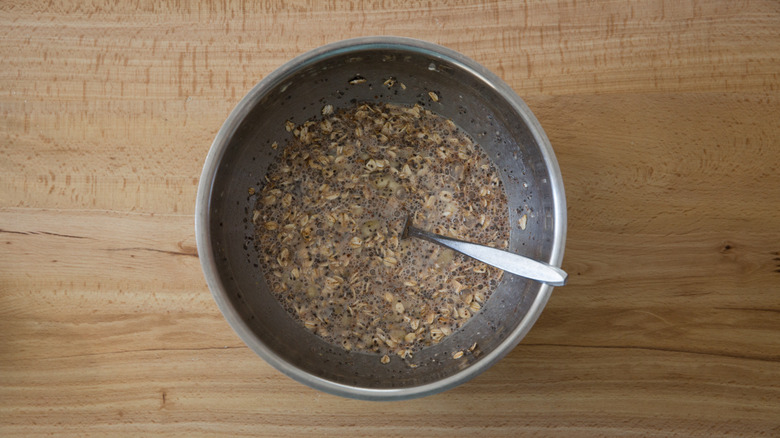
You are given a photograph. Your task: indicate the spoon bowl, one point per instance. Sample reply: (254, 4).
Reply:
(505, 260)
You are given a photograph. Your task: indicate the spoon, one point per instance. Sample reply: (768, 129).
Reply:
(505, 260)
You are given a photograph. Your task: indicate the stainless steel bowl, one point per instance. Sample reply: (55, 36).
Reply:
(481, 104)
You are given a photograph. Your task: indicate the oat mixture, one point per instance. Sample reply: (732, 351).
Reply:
(330, 214)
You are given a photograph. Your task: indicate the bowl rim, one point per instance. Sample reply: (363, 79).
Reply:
(219, 147)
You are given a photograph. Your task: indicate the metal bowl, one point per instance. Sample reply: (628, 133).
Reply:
(477, 101)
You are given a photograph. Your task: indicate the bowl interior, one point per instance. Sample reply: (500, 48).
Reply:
(299, 94)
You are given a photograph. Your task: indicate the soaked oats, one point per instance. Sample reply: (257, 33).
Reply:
(330, 214)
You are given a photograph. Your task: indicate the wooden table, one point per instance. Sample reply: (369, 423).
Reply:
(664, 115)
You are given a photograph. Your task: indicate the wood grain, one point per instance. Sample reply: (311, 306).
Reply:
(663, 116)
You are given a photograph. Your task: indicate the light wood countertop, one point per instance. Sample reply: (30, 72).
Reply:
(664, 116)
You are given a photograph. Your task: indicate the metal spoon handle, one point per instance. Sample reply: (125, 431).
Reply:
(505, 260)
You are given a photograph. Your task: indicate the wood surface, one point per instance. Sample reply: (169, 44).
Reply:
(665, 118)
